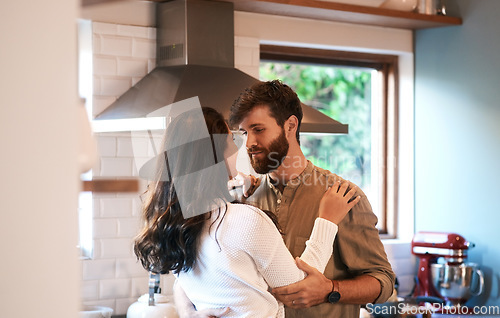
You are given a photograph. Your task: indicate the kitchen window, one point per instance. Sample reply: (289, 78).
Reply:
(354, 88)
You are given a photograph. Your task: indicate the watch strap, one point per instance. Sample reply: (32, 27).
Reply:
(334, 296)
(335, 287)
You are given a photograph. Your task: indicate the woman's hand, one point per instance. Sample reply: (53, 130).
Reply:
(336, 202)
(247, 183)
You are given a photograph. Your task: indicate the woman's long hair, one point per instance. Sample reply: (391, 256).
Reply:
(175, 210)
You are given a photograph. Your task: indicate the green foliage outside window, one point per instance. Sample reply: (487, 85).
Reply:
(343, 94)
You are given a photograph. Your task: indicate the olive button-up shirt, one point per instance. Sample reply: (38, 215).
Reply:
(357, 249)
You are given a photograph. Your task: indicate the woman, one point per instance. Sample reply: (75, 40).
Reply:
(224, 254)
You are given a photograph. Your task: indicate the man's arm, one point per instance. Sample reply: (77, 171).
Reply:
(314, 289)
(359, 247)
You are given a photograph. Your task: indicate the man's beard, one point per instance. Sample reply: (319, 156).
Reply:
(273, 156)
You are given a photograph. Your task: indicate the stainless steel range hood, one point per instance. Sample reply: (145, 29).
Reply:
(195, 57)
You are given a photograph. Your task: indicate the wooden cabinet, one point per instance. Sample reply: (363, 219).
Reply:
(330, 11)
(340, 12)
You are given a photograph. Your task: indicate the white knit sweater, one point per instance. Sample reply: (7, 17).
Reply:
(241, 255)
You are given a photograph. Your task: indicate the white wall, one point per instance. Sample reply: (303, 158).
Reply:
(457, 143)
(38, 132)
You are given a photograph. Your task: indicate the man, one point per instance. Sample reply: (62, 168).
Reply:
(269, 115)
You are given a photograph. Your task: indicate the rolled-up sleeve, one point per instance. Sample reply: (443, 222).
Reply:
(360, 249)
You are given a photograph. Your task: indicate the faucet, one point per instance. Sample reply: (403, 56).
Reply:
(154, 287)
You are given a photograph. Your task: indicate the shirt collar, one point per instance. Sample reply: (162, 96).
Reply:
(295, 182)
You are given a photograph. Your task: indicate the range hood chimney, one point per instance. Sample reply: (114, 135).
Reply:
(195, 57)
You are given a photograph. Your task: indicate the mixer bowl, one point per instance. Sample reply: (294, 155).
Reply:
(457, 283)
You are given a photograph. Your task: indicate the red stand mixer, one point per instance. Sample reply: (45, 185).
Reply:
(442, 270)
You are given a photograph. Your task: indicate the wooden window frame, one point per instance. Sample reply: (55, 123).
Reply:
(387, 65)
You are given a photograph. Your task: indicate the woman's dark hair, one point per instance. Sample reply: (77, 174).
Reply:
(282, 101)
(168, 240)
(175, 211)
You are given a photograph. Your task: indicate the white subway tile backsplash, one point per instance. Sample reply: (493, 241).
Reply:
(105, 65)
(151, 64)
(124, 147)
(105, 228)
(115, 207)
(90, 290)
(104, 28)
(247, 55)
(116, 167)
(138, 163)
(96, 206)
(243, 56)
(96, 44)
(106, 146)
(130, 67)
(155, 145)
(132, 147)
(133, 31)
(107, 278)
(137, 207)
(404, 266)
(98, 269)
(96, 168)
(115, 86)
(130, 267)
(244, 41)
(96, 252)
(398, 250)
(100, 103)
(136, 80)
(115, 46)
(167, 284)
(96, 85)
(152, 33)
(256, 57)
(140, 286)
(128, 227)
(116, 248)
(144, 48)
(114, 288)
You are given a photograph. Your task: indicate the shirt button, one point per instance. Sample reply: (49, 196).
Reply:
(279, 201)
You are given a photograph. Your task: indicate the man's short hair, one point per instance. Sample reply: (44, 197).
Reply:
(282, 101)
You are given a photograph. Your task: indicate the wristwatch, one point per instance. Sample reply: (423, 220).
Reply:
(334, 296)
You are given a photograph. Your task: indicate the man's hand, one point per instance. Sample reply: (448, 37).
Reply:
(311, 291)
